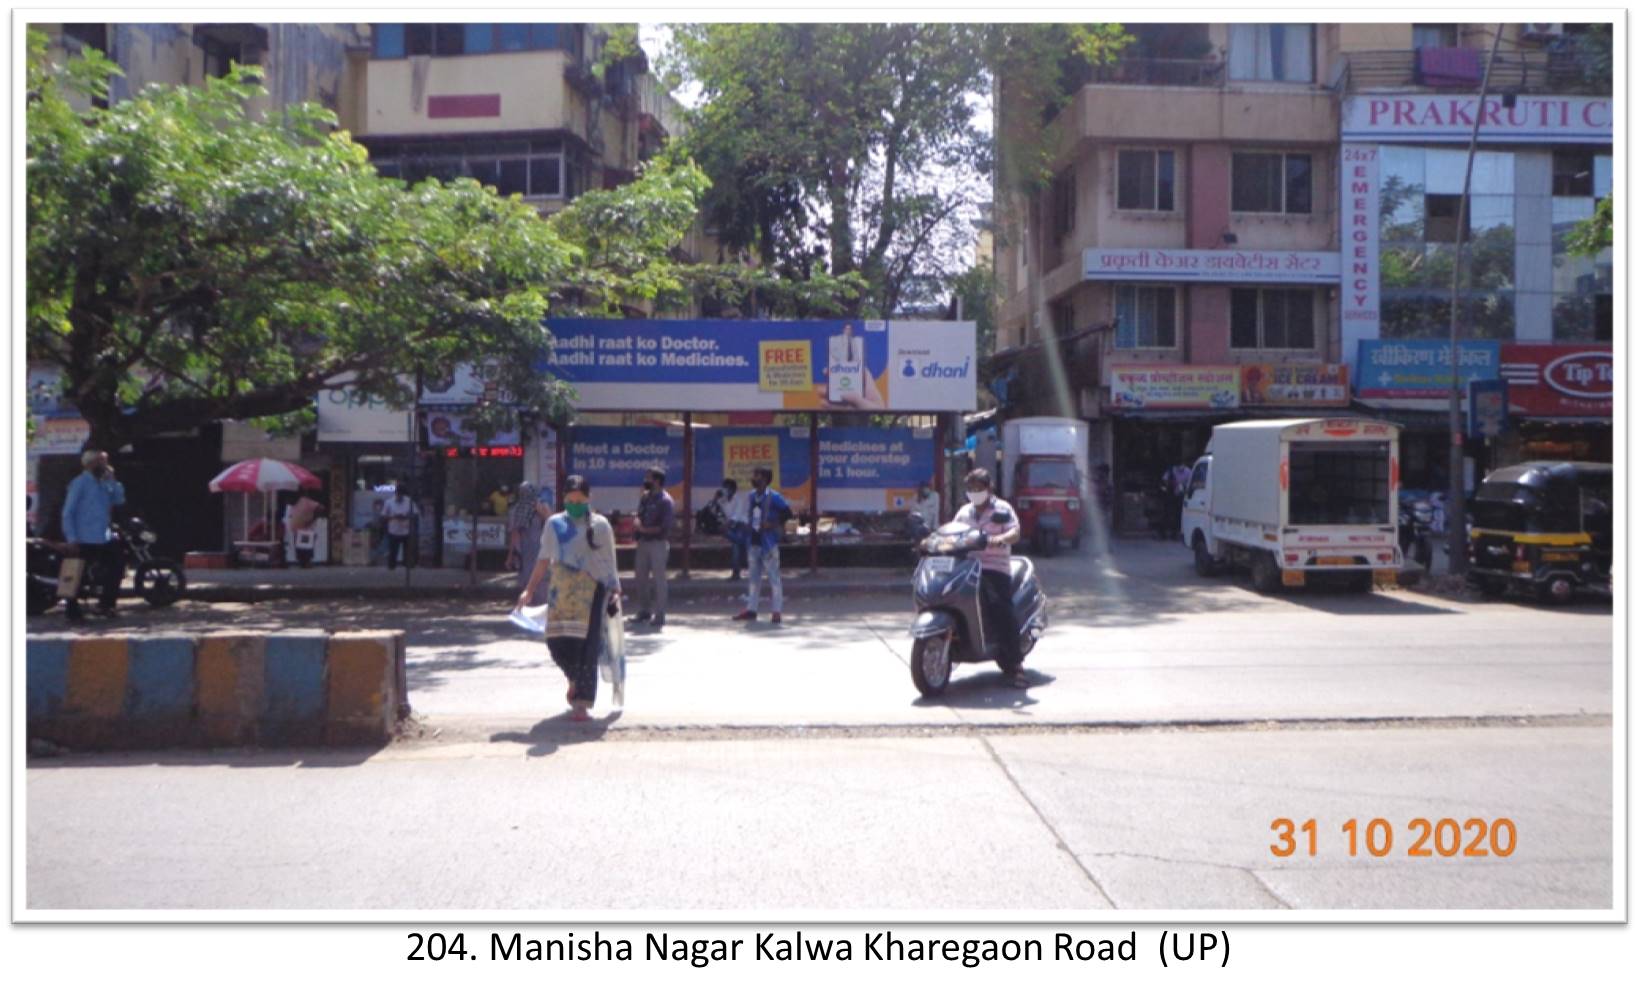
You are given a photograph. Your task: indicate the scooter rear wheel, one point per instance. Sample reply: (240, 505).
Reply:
(930, 664)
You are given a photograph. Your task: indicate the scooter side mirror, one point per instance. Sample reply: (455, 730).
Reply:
(1001, 518)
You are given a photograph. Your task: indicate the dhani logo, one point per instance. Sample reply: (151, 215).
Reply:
(936, 370)
(1582, 375)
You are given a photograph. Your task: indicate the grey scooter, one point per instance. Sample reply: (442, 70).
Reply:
(949, 626)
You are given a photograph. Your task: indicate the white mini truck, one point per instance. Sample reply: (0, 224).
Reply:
(1295, 498)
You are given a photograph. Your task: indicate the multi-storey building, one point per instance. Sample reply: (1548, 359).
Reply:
(1530, 313)
(1193, 259)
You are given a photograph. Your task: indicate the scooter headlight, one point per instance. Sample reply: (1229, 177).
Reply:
(148, 537)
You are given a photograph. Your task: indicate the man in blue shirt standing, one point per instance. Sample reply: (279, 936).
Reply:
(768, 513)
(87, 513)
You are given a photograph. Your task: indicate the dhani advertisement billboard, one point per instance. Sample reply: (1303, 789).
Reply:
(861, 469)
(710, 365)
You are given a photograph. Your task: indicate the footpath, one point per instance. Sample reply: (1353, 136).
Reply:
(380, 584)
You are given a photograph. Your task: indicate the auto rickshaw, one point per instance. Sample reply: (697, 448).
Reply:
(1544, 528)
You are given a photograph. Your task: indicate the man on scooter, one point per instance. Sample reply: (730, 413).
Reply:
(996, 520)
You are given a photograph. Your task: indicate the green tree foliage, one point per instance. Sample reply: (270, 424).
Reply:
(1593, 236)
(188, 262)
(859, 148)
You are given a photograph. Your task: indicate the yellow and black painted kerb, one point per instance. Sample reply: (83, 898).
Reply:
(226, 689)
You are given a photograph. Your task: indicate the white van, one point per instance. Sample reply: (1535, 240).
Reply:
(1290, 498)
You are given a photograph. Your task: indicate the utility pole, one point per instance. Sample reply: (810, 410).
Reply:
(1456, 505)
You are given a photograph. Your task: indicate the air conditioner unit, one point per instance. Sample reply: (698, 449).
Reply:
(1543, 30)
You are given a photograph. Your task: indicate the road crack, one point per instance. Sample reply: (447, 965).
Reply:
(1063, 845)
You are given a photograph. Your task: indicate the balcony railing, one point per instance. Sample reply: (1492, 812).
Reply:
(1515, 72)
(1161, 72)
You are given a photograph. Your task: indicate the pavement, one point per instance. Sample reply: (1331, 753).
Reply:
(1169, 720)
(380, 584)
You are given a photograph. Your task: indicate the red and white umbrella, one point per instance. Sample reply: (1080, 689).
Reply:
(264, 475)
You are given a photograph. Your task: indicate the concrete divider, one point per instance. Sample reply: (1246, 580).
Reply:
(226, 689)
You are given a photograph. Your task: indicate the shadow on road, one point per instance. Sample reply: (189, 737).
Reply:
(546, 736)
(988, 688)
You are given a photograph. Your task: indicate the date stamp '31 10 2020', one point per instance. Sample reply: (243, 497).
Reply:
(1419, 838)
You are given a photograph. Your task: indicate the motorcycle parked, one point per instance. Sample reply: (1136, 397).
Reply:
(159, 581)
(1416, 516)
(949, 626)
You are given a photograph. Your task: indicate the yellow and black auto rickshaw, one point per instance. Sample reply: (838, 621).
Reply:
(1543, 528)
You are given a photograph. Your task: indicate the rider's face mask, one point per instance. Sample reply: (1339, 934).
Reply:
(978, 497)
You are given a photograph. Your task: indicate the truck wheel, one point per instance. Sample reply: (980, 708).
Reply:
(1265, 573)
(930, 665)
(1204, 565)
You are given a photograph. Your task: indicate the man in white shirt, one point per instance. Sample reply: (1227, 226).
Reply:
(736, 509)
(399, 511)
(993, 517)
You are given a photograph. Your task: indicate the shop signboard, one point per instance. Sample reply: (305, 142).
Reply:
(1565, 379)
(1261, 266)
(59, 436)
(1514, 118)
(1361, 191)
(450, 429)
(349, 415)
(469, 384)
(1420, 368)
(1294, 384)
(713, 365)
(1173, 386)
(1486, 408)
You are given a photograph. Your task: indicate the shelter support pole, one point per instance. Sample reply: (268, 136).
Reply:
(813, 492)
(940, 448)
(688, 494)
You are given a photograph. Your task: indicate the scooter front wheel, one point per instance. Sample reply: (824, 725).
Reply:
(930, 664)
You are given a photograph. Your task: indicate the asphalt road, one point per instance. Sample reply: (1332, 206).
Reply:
(1169, 721)
(1067, 824)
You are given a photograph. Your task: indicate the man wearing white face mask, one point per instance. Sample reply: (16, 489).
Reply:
(997, 521)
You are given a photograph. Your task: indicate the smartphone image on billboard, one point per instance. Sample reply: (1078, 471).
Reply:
(846, 366)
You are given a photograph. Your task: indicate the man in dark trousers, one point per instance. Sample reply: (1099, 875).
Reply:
(88, 512)
(656, 511)
(995, 518)
(768, 513)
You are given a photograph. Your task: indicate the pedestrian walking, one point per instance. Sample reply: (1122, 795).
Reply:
(1174, 483)
(399, 511)
(88, 514)
(736, 507)
(528, 516)
(577, 550)
(768, 513)
(655, 514)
